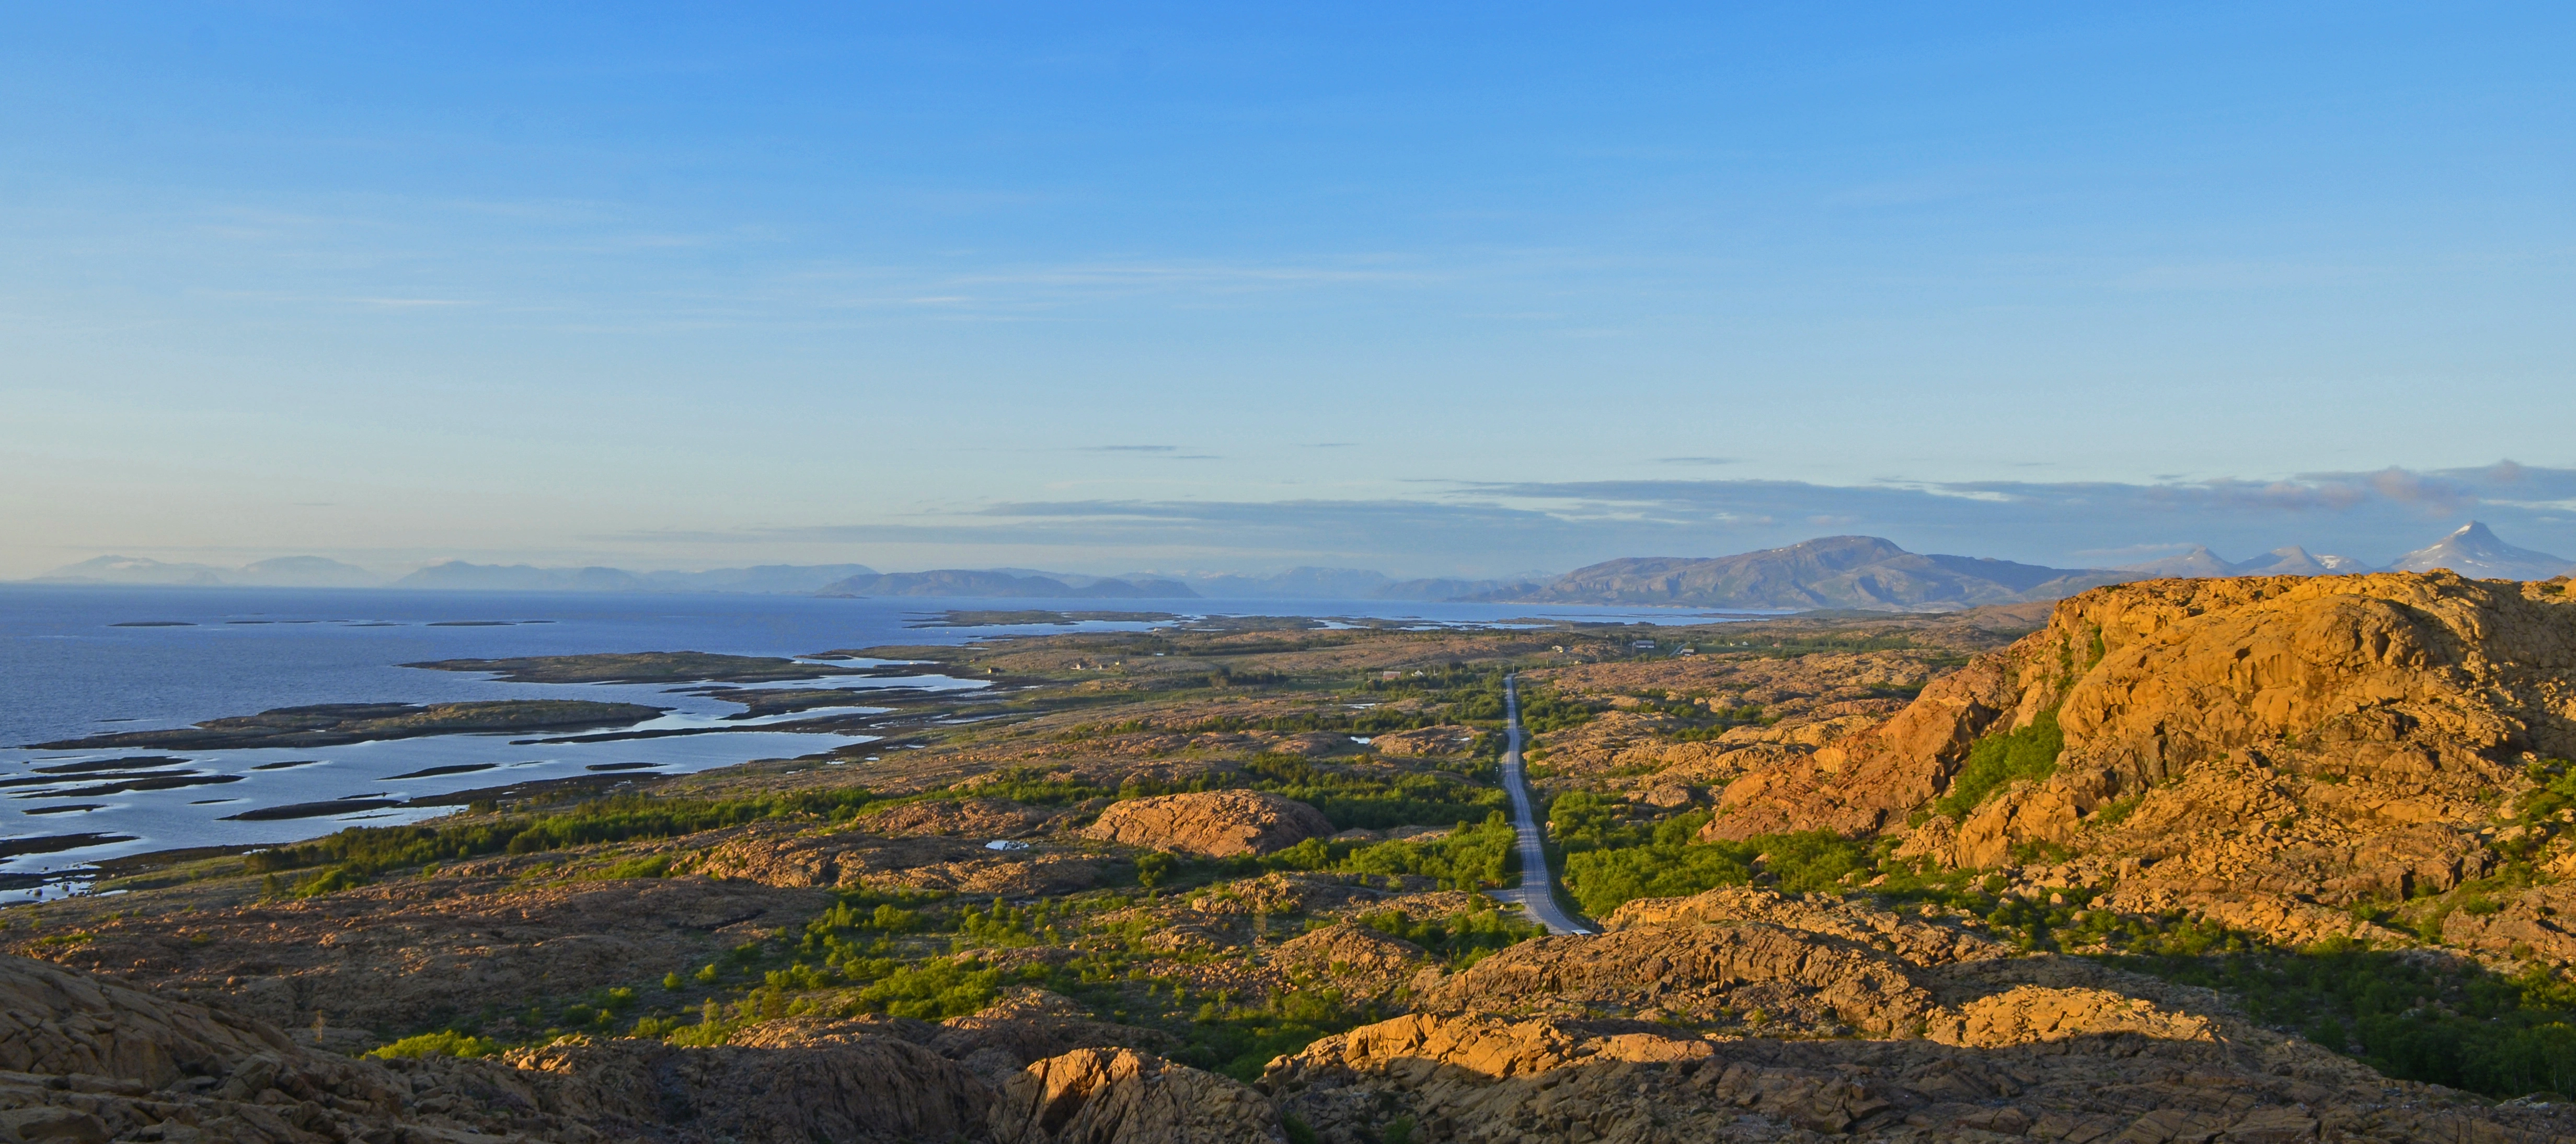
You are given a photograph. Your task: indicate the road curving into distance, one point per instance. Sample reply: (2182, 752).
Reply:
(1536, 894)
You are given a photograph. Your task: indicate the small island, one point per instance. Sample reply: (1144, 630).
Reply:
(339, 724)
(642, 667)
(1032, 617)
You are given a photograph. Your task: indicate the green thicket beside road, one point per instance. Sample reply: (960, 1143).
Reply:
(1469, 857)
(1350, 801)
(1609, 862)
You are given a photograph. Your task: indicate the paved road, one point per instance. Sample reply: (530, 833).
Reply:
(1533, 893)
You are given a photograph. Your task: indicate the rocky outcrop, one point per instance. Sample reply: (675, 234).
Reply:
(1756, 963)
(1748, 974)
(781, 857)
(83, 1059)
(977, 818)
(379, 960)
(1856, 920)
(860, 1088)
(1445, 739)
(1612, 1040)
(1861, 784)
(1119, 1096)
(2337, 736)
(1029, 1025)
(1213, 824)
(1361, 962)
(2538, 923)
(2038, 1014)
(1478, 1079)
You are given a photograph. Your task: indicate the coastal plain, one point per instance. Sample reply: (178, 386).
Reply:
(2247, 859)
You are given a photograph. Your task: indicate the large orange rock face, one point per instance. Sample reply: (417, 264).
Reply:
(2431, 689)
(2408, 675)
(1215, 824)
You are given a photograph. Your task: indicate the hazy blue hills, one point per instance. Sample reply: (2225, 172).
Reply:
(1341, 584)
(2472, 550)
(1862, 572)
(452, 575)
(784, 579)
(283, 572)
(1870, 573)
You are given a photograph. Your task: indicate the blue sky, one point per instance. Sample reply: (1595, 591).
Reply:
(1452, 289)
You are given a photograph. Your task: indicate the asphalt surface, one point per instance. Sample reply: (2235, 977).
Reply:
(1533, 894)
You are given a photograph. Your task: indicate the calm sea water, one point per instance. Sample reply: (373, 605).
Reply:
(68, 669)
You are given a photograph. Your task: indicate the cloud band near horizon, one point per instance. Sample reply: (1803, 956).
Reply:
(1504, 527)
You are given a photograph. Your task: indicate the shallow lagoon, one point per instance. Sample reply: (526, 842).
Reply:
(77, 661)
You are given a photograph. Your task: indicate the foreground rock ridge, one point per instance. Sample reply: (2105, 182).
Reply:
(2237, 859)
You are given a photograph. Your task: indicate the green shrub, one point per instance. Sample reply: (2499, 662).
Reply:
(1462, 939)
(933, 991)
(1154, 867)
(1238, 1040)
(1467, 858)
(649, 866)
(445, 1043)
(1996, 761)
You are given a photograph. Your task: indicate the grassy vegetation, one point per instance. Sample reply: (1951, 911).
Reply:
(444, 1043)
(1691, 722)
(1461, 939)
(932, 956)
(1474, 697)
(359, 853)
(2445, 1020)
(1469, 857)
(1793, 646)
(1996, 761)
(1347, 799)
(1611, 860)
(1374, 803)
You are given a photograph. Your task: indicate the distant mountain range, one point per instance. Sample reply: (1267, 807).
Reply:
(781, 579)
(1344, 584)
(453, 575)
(1294, 584)
(1869, 573)
(283, 572)
(1863, 572)
(1858, 572)
(2201, 562)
